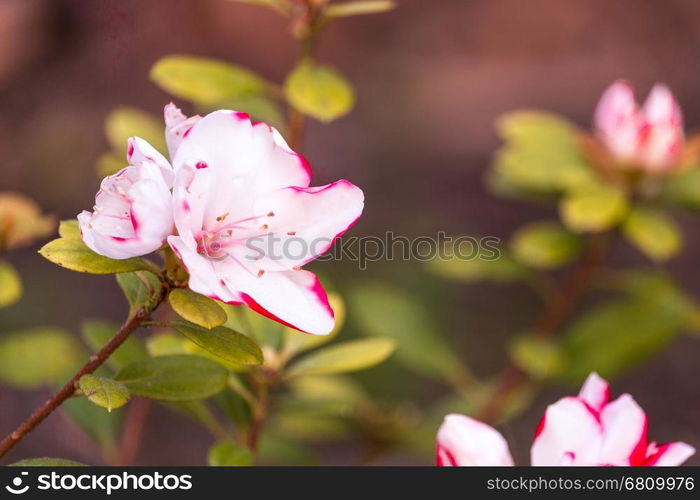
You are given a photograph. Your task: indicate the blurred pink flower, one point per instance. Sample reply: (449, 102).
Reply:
(650, 137)
(133, 208)
(247, 219)
(588, 429)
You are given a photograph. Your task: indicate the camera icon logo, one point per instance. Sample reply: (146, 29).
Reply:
(16, 487)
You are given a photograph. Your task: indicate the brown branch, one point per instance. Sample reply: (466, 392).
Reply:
(552, 318)
(93, 363)
(306, 27)
(134, 426)
(260, 410)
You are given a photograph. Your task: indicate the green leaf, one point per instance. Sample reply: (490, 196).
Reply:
(259, 107)
(46, 462)
(178, 377)
(385, 311)
(223, 343)
(97, 333)
(544, 245)
(72, 254)
(540, 358)
(653, 233)
(683, 188)
(502, 269)
(617, 336)
(345, 357)
(593, 209)
(38, 357)
(197, 308)
(104, 392)
(229, 454)
(541, 154)
(319, 91)
(205, 81)
(69, 229)
(10, 285)
(162, 344)
(359, 7)
(109, 164)
(125, 122)
(336, 388)
(139, 287)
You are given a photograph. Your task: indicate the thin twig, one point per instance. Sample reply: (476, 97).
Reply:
(552, 318)
(134, 426)
(93, 363)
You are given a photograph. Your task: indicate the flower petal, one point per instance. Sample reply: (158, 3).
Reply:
(251, 153)
(671, 454)
(177, 126)
(624, 432)
(203, 273)
(569, 427)
(139, 151)
(595, 392)
(618, 120)
(661, 107)
(293, 298)
(463, 441)
(306, 222)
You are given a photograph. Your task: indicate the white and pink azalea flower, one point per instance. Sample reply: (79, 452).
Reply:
(247, 220)
(133, 208)
(650, 137)
(588, 429)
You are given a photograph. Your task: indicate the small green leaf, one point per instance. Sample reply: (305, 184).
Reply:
(259, 107)
(197, 308)
(10, 285)
(229, 454)
(139, 287)
(72, 254)
(502, 269)
(97, 333)
(383, 310)
(104, 392)
(46, 462)
(38, 357)
(109, 164)
(540, 358)
(544, 245)
(614, 337)
(223, 342)
(69, 229)
(205, 81)
(541, 154)
(178, 377)
(653, 233)
(345, 357)
(162, 344)
(125, 122)
(683, 188)
(359, 7)
(319, 91)
(594, 208)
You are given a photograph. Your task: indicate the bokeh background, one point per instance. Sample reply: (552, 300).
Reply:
(431, 78)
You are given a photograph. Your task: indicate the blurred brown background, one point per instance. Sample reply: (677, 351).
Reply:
(431, 78)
